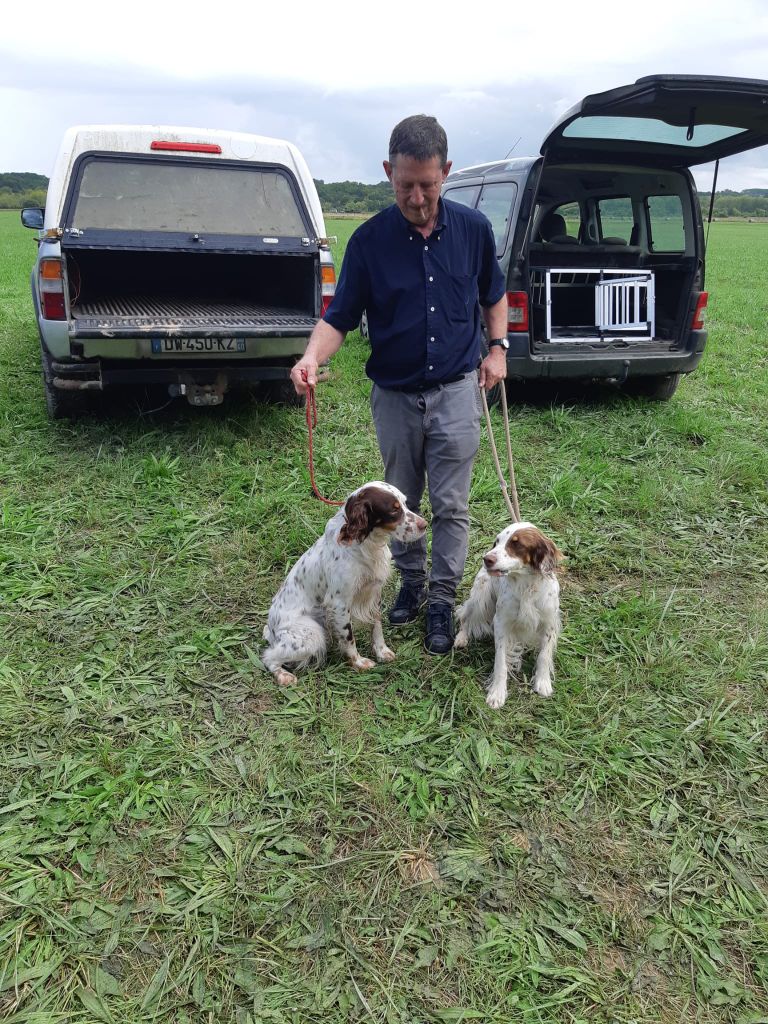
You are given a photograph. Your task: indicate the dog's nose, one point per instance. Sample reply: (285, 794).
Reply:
(421, 524)
(489, 559)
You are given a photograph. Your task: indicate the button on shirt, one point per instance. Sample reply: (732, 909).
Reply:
(422, 296)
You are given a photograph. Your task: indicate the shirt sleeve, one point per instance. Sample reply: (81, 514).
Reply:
(490, 280)
(351, 297)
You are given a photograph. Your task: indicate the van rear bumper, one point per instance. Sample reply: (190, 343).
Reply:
(522, 364)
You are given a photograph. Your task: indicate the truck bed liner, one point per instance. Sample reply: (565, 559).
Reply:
(167, 316)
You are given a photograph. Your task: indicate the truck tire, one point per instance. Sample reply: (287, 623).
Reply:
(658, 389)
(61, 405)
(281, 392)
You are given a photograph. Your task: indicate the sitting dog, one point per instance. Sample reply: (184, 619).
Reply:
(515, 598)
(338, 580)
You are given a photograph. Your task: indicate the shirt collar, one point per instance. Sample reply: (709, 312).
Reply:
(441, 221)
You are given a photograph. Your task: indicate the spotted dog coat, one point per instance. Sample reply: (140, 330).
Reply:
(339, 580)
(516, 599)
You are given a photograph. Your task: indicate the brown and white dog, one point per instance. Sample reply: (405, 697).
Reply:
(339, 580)
(516, 599)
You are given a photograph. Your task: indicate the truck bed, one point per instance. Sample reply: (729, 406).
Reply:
(170, 315)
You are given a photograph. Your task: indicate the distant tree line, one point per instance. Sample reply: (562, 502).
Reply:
(353, 196)
(22, 189)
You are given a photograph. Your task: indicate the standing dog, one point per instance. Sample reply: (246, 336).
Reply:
(340, 580)
(515, 598)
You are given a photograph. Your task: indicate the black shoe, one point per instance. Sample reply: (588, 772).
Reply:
(439, 638)
(407, 604)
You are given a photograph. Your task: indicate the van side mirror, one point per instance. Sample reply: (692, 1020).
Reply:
(33, 217)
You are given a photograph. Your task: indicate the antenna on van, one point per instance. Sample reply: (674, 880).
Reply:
(513, 148)
(711, 204)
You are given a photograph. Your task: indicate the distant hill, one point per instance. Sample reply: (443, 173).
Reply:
(19, 189)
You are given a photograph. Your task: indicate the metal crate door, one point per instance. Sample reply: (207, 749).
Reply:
(626, 303)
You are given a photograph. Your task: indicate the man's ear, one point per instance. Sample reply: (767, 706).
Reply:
(388, 170)
(358, 524)
(447, 169)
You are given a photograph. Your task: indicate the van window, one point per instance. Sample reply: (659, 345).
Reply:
(143, 195)
(667, 228)
(496, 202)
(466, 195)
(616, 219)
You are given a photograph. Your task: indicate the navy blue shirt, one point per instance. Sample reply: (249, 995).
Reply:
(422, 296)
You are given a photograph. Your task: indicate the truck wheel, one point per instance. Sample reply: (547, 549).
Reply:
(61, 405)
(281, 392)
(658, 389)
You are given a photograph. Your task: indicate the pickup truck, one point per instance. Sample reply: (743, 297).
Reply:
(190, 258)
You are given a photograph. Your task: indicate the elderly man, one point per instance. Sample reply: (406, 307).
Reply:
(422, 269)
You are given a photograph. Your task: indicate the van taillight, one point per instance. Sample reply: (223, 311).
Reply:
(328, 278)
(517, 316)
(697, 324)
(52, 290)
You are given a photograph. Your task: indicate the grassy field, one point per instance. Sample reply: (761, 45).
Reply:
(181, 841)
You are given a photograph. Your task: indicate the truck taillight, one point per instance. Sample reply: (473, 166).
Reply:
(697, 324)
(328, 278)
(517, 315)
(185, 147)
(52, 290)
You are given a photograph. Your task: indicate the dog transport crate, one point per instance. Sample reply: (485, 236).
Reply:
(594, 304)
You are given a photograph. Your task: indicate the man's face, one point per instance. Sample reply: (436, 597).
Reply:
(417, 186)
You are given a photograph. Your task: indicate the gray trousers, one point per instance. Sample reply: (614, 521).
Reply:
(433, 434)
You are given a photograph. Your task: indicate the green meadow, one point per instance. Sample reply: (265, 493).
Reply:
(182, 842)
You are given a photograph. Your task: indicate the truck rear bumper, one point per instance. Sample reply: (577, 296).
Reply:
(96, 375)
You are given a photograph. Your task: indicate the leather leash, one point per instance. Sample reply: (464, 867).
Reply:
(310, 414)
(512, 503)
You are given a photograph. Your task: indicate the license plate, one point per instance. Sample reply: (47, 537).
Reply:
(174, 346)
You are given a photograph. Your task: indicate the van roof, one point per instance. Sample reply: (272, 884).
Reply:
(137, 138)
(497, 168)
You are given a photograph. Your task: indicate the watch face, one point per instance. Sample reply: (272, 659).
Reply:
(503, 342)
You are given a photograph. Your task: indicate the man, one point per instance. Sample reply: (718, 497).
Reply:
(421, 269)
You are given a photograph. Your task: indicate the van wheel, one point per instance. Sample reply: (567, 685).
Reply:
(658, 389)
(61, 405)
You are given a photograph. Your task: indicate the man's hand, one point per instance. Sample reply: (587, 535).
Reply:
(304, 375)
(493, 368)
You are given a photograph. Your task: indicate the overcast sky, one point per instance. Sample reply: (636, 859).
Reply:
(335, 77)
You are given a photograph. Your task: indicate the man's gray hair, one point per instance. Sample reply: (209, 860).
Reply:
(421, 137)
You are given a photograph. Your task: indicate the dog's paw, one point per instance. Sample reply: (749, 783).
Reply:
(284, 678)
(496, 697)
(362, 664)
(543, 687)
(461, 639)
(385, 654)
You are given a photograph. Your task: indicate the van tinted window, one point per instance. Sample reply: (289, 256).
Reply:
(667, 228)
(466, 195)
(496, 202)
(142, 195)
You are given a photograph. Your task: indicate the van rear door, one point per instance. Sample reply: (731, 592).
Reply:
(666, 120)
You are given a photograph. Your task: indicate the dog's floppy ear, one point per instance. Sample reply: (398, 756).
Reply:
(546, 556)
(358, 524)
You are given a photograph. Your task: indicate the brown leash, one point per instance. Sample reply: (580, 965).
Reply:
(512, 503)
(310, 413)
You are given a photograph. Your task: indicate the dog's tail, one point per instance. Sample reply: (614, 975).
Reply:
(301, 643)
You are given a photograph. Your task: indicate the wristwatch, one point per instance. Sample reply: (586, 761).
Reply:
(498, 341)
